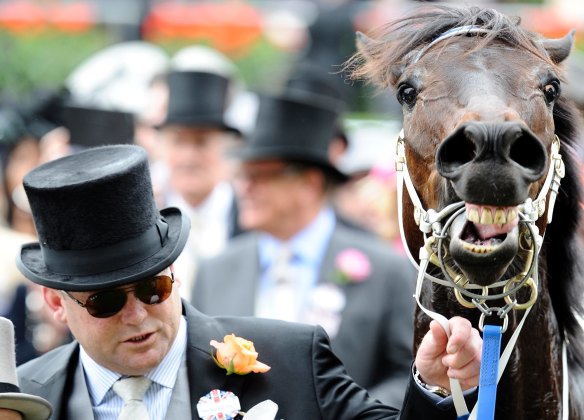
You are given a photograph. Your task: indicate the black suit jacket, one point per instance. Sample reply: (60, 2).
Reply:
(307, 381)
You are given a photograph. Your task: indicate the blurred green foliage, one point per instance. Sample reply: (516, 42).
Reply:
(44, 58)
(260, 64)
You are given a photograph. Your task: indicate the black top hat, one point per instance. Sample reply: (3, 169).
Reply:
(197, 99)
(92, 127)
(311, 79)
(295, 128)
(97, 222)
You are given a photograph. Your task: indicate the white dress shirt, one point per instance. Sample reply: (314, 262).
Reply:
(308, 248)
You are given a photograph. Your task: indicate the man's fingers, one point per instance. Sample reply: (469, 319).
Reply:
(460, 331)
(467, 352)
(437, 337)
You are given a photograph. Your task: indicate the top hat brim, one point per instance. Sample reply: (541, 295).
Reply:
(194, 121)
(31, 263)
(30, 406)
(247, 154)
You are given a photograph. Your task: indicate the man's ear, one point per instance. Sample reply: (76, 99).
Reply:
(54, 300)
(177, 281)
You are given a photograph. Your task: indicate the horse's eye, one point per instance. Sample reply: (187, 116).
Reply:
(406, 95)
(551, 91)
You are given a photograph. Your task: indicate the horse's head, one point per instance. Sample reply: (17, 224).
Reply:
(478, 95)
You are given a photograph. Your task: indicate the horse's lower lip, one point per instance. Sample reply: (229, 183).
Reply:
(482, 264)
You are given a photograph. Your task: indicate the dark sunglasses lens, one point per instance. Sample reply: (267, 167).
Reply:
(154, 290)
(106, 304)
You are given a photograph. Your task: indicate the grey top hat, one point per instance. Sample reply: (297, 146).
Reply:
(30, 406)
(97, 222)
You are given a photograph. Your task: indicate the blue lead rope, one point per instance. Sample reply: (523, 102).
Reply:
(489, 368)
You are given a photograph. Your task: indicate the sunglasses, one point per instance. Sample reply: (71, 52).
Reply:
(107, 303)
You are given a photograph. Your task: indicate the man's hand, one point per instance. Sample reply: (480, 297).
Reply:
(440, 358)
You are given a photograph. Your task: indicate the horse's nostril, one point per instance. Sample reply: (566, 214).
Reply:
(528, 152)
(454, 152)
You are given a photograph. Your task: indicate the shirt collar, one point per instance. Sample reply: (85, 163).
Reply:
(309, 244)
(100, 379)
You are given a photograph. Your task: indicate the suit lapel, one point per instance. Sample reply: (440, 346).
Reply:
(247, 272)
(54, 380)
(204, 374)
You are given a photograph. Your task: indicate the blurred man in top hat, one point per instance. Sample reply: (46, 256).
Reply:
(301, 264)
(15, 405)
(105, 260)
(195, 136)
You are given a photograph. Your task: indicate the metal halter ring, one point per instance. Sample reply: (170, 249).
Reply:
(503, 328)
(532, 297)
(467, 303)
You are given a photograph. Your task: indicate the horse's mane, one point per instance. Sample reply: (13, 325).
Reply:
(392, 46)
(564, 251)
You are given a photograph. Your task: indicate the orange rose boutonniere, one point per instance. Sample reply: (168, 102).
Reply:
(237, 355)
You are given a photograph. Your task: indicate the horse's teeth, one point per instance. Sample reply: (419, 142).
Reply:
(478, 249)
(486, 217)
(500, 217)
(473, 215)
(512, 215)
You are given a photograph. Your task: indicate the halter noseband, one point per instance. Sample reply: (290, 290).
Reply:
(434, 226)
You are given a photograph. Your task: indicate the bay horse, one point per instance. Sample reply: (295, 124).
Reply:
(487, 139)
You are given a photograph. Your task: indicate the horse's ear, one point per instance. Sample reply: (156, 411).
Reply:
(363, 42)
(559, 49)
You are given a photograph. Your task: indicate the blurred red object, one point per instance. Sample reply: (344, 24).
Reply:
(22, 17)
(229, 27)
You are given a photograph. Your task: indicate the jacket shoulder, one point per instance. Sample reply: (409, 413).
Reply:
(48, 367)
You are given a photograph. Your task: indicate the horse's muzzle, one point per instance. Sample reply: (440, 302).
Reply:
(492, 163)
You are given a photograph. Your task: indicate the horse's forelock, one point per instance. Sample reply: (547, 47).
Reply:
(392, 46)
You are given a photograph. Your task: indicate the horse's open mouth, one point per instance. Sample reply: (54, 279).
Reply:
(484, 241)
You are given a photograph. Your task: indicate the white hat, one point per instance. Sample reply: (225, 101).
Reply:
(371, 144)
(30, 406)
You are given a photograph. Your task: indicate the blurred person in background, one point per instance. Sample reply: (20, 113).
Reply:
(307, 78)
(19, 154)
(195, 136)
(369, 198)
(21, 129)
(299, 263)
(332, 42)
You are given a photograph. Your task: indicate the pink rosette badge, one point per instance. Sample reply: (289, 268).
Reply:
(352, 266)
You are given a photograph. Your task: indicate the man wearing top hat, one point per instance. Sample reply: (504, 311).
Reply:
(105, 262)
(194, 137)
(342, 278)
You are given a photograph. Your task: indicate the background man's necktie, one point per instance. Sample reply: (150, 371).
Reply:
(281, 299)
